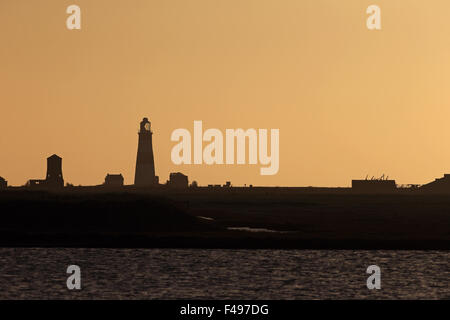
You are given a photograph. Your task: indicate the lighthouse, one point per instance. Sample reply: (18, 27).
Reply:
(145, 163)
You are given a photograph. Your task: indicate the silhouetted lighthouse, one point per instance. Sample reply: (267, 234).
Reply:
(145, 164)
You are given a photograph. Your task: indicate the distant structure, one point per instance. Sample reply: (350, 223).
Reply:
(439, 185)
(113, 180)
(178, 180)
(194, 184)
(380, 185)
(34, 183)
(3, 183)
(54, 177)
(227, 185)
(145, 163)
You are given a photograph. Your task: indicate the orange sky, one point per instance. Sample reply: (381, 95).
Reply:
(348, 101)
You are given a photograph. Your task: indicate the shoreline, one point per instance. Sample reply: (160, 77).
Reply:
(235, 242)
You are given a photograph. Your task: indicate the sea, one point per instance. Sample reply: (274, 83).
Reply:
(42, 273)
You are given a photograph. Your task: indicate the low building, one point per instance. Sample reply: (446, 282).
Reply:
(439, 185)
(114, 180)
(374, 186)
(36, 183)
(178, 180)
(3, 183)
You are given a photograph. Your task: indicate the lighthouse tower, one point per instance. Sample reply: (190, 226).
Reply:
(145, 164)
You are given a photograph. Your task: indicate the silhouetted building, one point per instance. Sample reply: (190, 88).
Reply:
(54, 178)
(374, 186)
(177, 179)
(194, 184)
(439, 185)
(145, 163)
(35, 183)
(3, 183)
(114, 180)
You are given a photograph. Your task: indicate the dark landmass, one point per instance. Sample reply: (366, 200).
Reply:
(201, 218)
